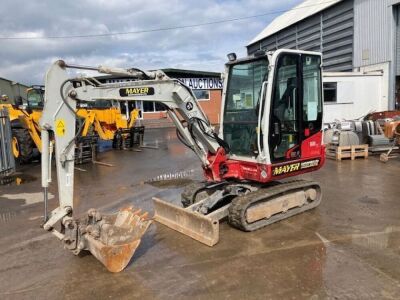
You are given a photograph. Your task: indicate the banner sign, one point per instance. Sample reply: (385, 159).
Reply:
(203, 83)
(210, 83)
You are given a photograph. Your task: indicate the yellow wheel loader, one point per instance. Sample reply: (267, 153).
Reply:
(25, 116)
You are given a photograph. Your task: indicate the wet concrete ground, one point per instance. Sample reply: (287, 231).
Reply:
(347, 248)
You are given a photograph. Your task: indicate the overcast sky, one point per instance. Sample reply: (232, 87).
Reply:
(200, 48)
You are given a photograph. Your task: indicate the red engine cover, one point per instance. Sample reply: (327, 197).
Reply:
(222, 168)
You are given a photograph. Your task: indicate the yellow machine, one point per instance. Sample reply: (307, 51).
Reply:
(25, 118)
(106, 122)
(103, 120)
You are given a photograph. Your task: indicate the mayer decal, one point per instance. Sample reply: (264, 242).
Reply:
(285, 169)
(136, 91)
(294, 167)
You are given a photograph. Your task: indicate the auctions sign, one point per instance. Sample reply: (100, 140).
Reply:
(203, 83)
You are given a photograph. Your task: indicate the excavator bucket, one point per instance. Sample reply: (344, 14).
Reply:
(204, 229)
(114, 239)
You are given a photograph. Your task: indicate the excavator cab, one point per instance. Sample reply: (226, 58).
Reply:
(35, 97)
(277, 125)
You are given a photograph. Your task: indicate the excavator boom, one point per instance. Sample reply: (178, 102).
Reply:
(58, 120)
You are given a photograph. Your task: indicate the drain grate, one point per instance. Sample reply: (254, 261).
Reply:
(7, 216)
(171, 176)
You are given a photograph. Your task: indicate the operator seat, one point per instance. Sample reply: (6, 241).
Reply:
(287, 100)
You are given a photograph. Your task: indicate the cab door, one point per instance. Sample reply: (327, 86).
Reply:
(284, 136)
(296, 105)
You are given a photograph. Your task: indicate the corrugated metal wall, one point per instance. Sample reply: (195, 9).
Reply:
(375, 40)
(12, 90)
(329, 32)
(397, 45)
(373, 32)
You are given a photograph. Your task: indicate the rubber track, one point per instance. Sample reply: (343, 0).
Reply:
(237, 210)
(191, 189)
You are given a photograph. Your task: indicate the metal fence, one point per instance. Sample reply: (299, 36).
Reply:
(7, 162)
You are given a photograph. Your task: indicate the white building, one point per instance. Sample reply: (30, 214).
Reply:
(352, 95)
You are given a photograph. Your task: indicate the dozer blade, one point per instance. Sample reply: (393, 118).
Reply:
(114, 239)
(199, 227)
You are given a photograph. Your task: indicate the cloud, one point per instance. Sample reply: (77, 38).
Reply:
(200, 48)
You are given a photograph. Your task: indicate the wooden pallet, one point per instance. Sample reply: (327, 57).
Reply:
(342, 152)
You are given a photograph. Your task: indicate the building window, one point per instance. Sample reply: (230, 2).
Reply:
(148, 106)
(330, 92)
(151, 106)
(159, 106)
(202, 94)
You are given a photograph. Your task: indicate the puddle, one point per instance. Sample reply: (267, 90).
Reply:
(27, 198)
(17, 179)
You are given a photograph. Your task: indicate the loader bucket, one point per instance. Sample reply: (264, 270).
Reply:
(199, 227)
(114, 239)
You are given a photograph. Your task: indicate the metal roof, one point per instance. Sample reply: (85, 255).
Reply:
(13, 82)
(5, 79)
(296, 14)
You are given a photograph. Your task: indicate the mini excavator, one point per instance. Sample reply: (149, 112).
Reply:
(271, 129)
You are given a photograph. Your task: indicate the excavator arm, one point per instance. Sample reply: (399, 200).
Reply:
(59, 121)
